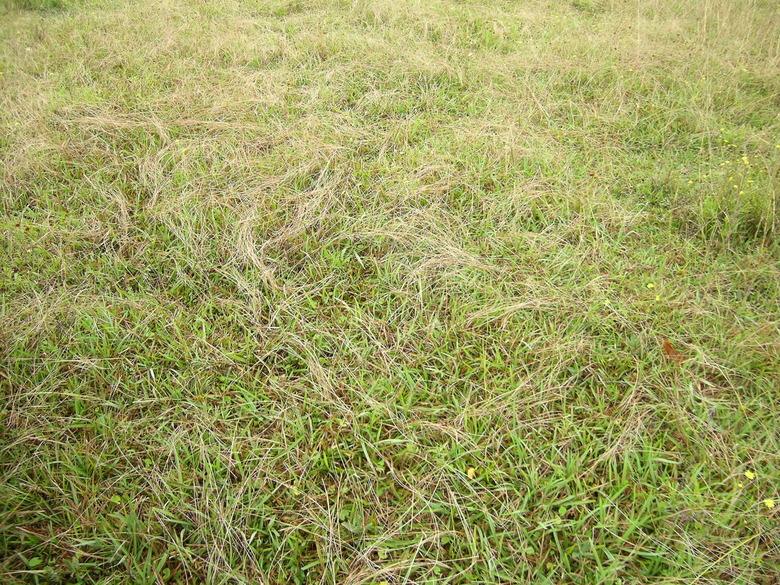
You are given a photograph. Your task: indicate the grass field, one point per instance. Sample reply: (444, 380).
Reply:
(383, 292)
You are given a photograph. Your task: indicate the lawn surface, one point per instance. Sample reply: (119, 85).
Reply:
(372, 291)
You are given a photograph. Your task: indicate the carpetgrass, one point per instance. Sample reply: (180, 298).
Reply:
(373, 292)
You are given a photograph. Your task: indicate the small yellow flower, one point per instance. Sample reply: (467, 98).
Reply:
(769, 503)
(740, 484)
(750, 475)
(741, 192)
(650, 285)
(657, 297)
(472, 473)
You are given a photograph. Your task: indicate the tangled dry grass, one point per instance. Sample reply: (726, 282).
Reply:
(278, 274)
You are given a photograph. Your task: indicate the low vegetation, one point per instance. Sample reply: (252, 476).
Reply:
(371, 292)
